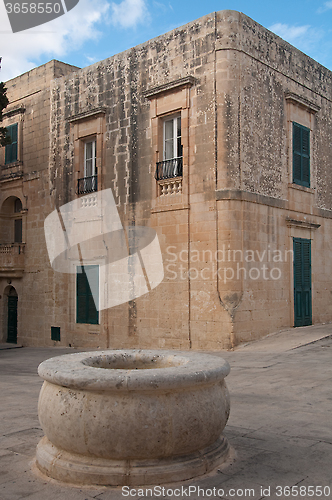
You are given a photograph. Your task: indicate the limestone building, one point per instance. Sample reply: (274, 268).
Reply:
(218, 135)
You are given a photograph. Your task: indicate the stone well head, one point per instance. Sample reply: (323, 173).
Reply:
(132, 417)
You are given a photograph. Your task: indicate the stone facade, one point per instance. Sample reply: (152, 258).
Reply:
(226, 224)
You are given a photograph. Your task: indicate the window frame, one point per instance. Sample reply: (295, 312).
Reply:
(93, 158)
(302, 154)
(175, 119)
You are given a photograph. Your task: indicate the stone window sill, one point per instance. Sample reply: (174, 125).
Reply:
(302, 188)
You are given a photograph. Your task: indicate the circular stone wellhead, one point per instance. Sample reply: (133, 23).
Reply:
(132, 417)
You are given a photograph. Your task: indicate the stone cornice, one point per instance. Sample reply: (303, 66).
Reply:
(85, 115)
(301, 223)
(13, 112)
(237, 194)
(311, 106)
(187, 81)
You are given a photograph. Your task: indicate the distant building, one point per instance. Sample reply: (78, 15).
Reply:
(219, 136)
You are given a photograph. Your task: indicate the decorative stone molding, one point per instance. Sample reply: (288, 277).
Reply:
(31, 176)
(238, 194)
(301, 223)
(169, 187)
(13, 112)
(304, 189)
(310, 106)
(91, 113)
(11, 172)
(187, 81)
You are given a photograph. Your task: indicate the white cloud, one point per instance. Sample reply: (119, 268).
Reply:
(326, 6)
(128, 13)
(305, 38)
(289, 33)
(21, 51)
(91, 60)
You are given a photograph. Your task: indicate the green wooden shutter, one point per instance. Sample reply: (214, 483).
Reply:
(301, 155)
(87, 296)
(306, 256)
(11, 149)
(302, 282)
(296, 153)
(306, 156)
(297, 283)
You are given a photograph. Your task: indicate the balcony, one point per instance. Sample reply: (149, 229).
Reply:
(169, 176)
(168, 169)
(12, 260)
(87, 185)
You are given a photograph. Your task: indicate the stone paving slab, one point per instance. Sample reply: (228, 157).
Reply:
(280, 425)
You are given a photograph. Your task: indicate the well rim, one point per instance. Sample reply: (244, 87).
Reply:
(189, 369)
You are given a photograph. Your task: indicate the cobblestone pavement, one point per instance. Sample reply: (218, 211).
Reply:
(280, 427)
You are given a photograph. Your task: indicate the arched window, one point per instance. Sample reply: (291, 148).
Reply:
(11, 221)
(17, 206)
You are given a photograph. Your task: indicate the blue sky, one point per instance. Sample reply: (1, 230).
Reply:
(97, 29)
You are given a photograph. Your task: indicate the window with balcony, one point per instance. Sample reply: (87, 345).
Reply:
(172, 163)
(169, 113)
(88, 130)
(88, 183)
(12, 246)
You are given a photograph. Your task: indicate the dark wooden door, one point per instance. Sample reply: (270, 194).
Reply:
(302, 282)
(12, 320)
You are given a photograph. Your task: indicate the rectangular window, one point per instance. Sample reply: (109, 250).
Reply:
(55, 333)
(11, 149)
(172, 139)
(87, 294)
(18, 230)
(88, 183)
(301, 155)
(89, 159)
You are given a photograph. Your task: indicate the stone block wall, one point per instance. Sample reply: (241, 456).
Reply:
(226, 227)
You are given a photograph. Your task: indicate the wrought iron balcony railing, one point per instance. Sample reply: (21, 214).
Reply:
(87, 185)
(169, 169)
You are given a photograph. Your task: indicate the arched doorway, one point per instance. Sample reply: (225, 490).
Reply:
(12, 315)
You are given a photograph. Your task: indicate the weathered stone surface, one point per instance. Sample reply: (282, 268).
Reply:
(132, 417)
(238, 88)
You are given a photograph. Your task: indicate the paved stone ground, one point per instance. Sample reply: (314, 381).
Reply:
(280, 425)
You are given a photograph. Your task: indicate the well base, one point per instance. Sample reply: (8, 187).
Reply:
(90, 470)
